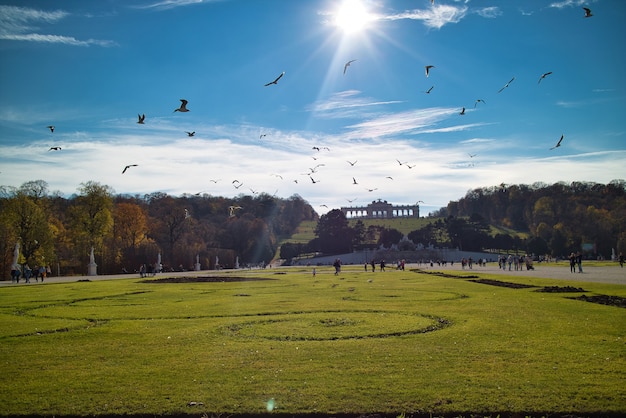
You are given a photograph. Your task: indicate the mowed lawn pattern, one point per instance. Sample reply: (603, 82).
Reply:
(389, 342)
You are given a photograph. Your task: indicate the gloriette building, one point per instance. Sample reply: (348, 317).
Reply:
(382, 209)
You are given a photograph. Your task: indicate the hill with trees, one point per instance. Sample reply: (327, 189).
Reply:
(127, 231)
(539, 219)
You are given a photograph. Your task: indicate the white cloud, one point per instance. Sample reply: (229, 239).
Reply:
(346, 104)
(434, 17)
(489, 12)
(16, 25)
(171, 4)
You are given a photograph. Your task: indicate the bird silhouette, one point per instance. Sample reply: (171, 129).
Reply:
(587, 12)
(354, 181)
(477, 101)
(190, 133)
(232, 209)
(462, 111)
(141, 118)
(558, 144)
(127, 167)
(262, 136)
(55, 149)
(183, 106)
(507, 84)
(427, 68)
(276, 79)
(345, 67)
(51, 127)
(352, 163)
(429, 90)
(544, 75)
(313, 180)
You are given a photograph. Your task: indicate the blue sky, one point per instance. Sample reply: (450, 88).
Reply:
(90, 67)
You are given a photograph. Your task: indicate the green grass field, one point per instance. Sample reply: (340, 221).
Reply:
(392, 343)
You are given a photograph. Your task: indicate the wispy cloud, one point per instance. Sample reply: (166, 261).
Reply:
(171, 4)
(16, 24)
(346, 104)
(411, 121)
(489, 12)
(434, 17)
(567, 3)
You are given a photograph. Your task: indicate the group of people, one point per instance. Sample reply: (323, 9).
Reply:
(146, 270)
(382, 265)
(575, 259)
(39, 272)
(515, 262)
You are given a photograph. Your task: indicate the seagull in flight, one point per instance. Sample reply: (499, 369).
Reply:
(275, 80)
(371, 190)
(544, 75)
(479, 100)
(190, 133)
(429, 90)
(232, 209)
(345, 67)
(262, 136)
(313, 180)
(558, 144)
(472, 155)
(141, 118)
(183, 106)
(587, 12)
(507, 84)
(400, 162)
(55, 149)
(427, 68)
(462, 111)
(352, 163)
(51, 127)
(128, 166)
(354, 181)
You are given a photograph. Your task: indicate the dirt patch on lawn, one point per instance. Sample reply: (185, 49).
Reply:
(503, 284)
(446, 275)
(616, 301)
(204, 279)
(561, 289)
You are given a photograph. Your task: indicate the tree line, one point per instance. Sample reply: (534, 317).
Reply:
(128, 231)
(539, 219)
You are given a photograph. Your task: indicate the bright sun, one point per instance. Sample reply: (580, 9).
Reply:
(352, 16)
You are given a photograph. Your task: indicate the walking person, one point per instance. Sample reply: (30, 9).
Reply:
(579, 261)
(337, 265)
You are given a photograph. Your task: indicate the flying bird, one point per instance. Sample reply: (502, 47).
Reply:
(507, 84)
(237, 186)
(214, 181)
(55, 149)
(275, 80)
(429, 90)
(587, 12)
(232, 209)
(141, 118)
(51, 127)
(190, 133)
(410, 166)
(352, 163)
(128, 166)
(351, 200)
(389, 177)
(316, 148)
(477, 101)
(400, 162)
(472, 155)
(313, 180)
(371, 190)
(262, 136)
(558, 144)
(354, 181)
(544, 75)
(427, 68)
(462, 111)
(183, 106)
(345, 67)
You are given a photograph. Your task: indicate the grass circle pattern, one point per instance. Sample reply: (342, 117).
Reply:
(335, 325)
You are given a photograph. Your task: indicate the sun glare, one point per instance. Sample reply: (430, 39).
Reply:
(352, 16)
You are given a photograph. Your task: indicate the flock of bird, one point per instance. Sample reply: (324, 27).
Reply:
(141, 119)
